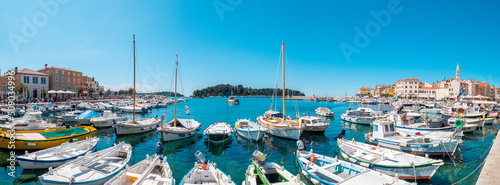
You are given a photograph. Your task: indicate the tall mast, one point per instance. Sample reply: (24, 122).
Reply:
(283, 92)
(133, 117)
(175, 94)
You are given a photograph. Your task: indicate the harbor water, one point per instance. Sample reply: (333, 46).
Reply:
(233, 156)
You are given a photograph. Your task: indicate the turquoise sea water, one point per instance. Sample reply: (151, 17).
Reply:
(233, 156)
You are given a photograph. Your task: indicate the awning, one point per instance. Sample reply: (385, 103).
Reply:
(52, 92)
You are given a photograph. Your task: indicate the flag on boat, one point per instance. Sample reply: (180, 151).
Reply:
(187, 109)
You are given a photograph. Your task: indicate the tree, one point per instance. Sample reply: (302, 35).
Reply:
(44, 92)
(80, 90)
(131, 91)
(100, 93)
(21, 88)
(91, 90)
(108, 92)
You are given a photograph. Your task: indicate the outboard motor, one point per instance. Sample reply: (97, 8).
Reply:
(200, 157)
(159, 148)
(259, 157)
(300, 145)
(341, 134)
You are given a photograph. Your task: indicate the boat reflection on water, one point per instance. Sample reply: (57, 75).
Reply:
(136, 139)
(28, 176)
(249, 144)
(357, 128)
(173, 147)
(217, 149)
(315, 139)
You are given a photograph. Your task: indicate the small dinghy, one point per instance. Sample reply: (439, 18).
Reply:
(206, 173)
(56, 156)
(152, 170)
(320, 169)
(218, 132)
(92, 168)
(249, 130)
(387, 161)
(325, 112)
(260, 172)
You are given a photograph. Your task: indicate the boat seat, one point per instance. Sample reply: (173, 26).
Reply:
(131, 174)
(330, 165)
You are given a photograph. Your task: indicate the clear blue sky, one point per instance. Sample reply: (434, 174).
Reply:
(238, 42)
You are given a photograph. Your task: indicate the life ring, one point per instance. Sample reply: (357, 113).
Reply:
(459, 123)
(373, 148)
(313, 159)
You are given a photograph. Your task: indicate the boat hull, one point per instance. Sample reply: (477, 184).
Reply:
(358, 120)
(128, 129)
(23, 144)
(448, 149)
(321, 128)
(254, 135)
(106, 122)
(168, 136)
(419, 173)
(85, 121)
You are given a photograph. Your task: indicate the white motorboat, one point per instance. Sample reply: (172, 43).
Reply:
(313, 124)
(415, 142)
(107, 119)
(58, 155)
(218, 132)
(232, 101)
(361, 116)
(84, 118)
(412, 113)
(152, 170)
(30, 121)
(262, 172)
(387, 161)
(71, 115)
(206, 172)
(93, 168)
(323, 111)
(321, 169)
(249, 129)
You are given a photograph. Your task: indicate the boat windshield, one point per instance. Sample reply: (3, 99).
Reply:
(30, 118)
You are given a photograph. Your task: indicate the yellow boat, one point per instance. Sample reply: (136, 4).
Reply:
(35, 140)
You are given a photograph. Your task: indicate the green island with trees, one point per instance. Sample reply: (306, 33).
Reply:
(239, 90)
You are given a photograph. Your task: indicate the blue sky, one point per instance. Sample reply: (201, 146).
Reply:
(239, 41)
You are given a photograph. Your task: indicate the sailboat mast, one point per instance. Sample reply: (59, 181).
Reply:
(283, 92)
(175, 94)
(133, 117)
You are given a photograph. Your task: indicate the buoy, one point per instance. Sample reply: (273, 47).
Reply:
(459, 123)
(204, 166)
(373, 148)
(313, 159)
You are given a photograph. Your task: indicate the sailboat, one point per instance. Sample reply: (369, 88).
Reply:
(178, 128)
(135, 126)
(276, 123)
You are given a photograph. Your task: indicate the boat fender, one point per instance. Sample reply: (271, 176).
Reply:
(373, 148)
(435, 145)
(353, 160)
(373, 139)
(313, 159)
(315, 182)
(305, 173)
(370, 133)
(403, 144)
(365, 164)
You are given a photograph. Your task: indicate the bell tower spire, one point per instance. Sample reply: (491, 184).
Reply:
(457, 75)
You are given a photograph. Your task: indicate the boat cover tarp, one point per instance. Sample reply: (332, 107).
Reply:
(66, 132)
(88, 114)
